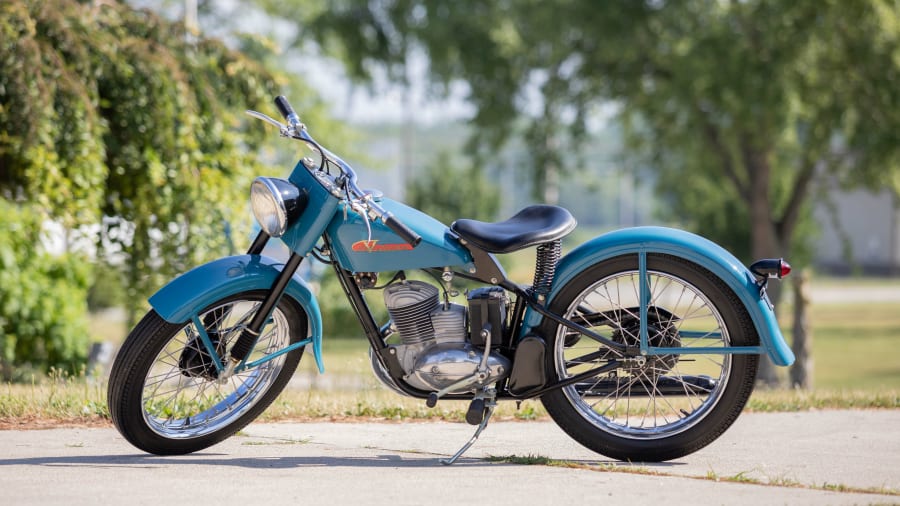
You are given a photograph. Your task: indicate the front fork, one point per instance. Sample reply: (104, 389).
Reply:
(244, 344)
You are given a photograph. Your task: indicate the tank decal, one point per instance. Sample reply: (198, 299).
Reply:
(358, 251)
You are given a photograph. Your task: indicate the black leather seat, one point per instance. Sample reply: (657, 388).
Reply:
(529, 227)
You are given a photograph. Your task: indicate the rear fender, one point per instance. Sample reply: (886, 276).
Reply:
(684, 245)
(200, 287)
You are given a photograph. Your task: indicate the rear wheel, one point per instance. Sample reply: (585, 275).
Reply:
(659, 407)
(164, 396)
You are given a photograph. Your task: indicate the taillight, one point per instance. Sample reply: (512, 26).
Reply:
(785, 268)
(771, 268)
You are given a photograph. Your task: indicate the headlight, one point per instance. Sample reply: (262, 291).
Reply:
(275, 203)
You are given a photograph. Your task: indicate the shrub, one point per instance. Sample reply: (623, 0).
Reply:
(107, 289)
(43, 297)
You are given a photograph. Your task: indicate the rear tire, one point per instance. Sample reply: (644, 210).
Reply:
(673, 405)
(162, 408)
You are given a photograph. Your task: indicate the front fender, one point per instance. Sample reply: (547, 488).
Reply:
(196, 289)
(690, 247)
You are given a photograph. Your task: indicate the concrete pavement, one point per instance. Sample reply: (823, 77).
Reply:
(396, 463)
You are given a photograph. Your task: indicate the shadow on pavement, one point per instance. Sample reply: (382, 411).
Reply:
(150, 461)
(280, 462)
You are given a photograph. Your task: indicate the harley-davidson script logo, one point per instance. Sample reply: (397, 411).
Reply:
(373, 246)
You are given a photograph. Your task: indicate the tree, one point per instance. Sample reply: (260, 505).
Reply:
(110, 116)
(742, 107)
(447, 191)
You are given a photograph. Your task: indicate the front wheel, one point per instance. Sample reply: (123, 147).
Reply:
(658, 407)
(164, 395)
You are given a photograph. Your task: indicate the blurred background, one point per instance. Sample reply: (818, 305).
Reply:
(769, 127)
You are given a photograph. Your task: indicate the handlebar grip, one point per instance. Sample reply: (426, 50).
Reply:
(405, 233)
(284, 107)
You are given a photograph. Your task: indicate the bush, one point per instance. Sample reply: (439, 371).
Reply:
(338, 317)
(43, 306)
(107, 289)
(447, 191)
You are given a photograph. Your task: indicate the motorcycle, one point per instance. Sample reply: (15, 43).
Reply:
(642, 343)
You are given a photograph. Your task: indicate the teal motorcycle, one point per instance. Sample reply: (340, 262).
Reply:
(642, 344)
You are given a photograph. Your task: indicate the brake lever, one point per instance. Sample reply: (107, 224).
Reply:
(283, 129)
(358, 205)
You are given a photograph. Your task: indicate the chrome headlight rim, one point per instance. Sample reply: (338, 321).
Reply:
(275, 203)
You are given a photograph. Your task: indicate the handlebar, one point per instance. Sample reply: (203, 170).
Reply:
(407, 234)
(284, 107)
(298, 131)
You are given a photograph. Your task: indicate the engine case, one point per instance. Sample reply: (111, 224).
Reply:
(444, 364)
(434, 350)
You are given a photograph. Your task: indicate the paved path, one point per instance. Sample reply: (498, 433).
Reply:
(396, 463)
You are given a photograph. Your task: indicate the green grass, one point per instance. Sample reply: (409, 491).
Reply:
(855, 350)
(56, 399)
(855, 345)
(107, 326)
(379, 404)
(771, 401)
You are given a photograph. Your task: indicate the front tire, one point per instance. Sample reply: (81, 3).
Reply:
(166, 404)
(672, 405)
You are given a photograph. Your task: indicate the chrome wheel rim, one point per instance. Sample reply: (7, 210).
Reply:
(177, 406)
(668, 394)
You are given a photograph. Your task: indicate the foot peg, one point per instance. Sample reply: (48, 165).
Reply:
(476, 412)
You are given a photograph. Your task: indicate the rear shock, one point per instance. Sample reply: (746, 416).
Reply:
(548, 255)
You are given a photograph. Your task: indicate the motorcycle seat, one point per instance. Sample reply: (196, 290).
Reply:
(529, 227)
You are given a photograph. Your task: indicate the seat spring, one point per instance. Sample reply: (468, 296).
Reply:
(548, 255)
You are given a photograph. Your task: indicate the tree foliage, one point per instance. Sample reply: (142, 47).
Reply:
(42, 301)
(743, 108)
(448, 191)
(112, 116)
(741, 104)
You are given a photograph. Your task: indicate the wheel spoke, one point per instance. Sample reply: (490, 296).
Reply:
(179, 406)
(664, 394)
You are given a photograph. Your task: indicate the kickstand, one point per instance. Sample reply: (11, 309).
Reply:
(490, 404)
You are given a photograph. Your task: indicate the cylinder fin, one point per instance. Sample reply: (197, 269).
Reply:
(410, 305)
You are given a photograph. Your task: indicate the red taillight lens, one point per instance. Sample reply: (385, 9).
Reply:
(785, 268)
(770, 268)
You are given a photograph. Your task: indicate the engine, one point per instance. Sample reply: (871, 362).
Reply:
(435, 349)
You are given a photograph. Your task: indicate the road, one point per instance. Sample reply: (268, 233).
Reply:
(826, 457)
